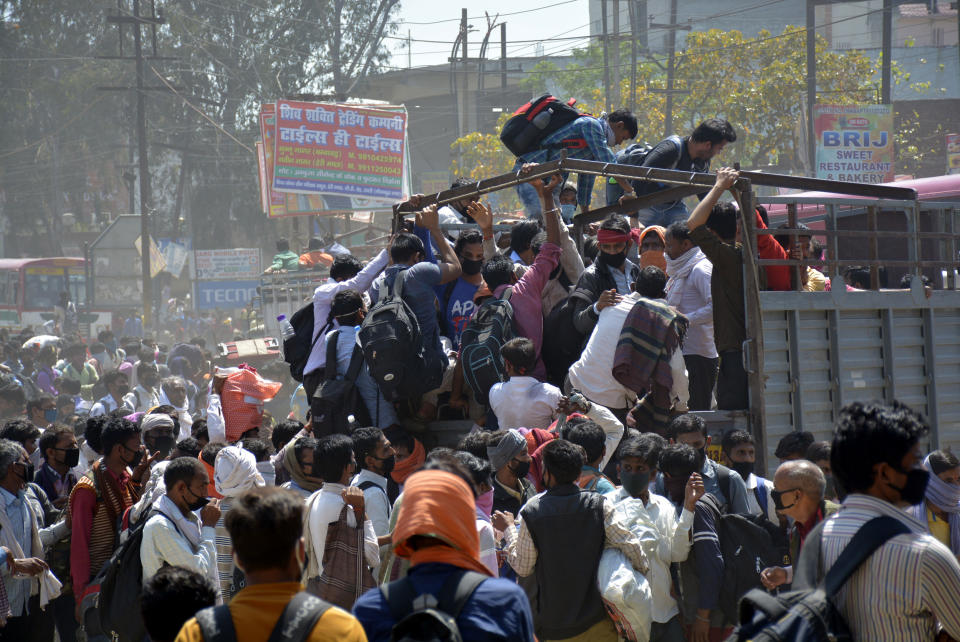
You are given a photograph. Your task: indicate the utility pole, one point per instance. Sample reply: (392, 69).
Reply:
(464, 28)
(409, 51)
(137, 21)
(887, 45)
(503, 63)
(606, 56)
(615, 65)
(672, 28)
(811, 85)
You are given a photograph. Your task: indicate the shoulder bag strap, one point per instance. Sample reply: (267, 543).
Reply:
(216, 624)
(323, 331)
(299, 617)
(506, 294)
(868, 539)
(399, 596)
(723, 481)
(398, 284)
(457, 590)
(330, 367)
(356, 362)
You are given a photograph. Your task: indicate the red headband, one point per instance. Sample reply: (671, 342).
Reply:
(613, 236)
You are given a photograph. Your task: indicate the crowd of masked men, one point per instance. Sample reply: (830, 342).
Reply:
(582, 504)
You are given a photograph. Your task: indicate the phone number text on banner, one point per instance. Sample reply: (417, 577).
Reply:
(337, 149)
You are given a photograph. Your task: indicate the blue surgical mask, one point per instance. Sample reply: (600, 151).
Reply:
(567, 210)
(50, 415)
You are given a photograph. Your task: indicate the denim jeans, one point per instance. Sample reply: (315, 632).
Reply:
(529, 197)
(663, 214)
(381, 411)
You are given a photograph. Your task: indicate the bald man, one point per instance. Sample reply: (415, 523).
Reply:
(798, 489)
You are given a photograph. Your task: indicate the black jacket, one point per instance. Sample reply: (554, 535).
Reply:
(594, 280)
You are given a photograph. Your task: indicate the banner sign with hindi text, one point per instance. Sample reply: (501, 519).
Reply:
(339, 150)
(238, 263)
(855, 143)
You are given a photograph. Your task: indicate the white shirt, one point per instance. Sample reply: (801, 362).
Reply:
(145, 399)
(612, 430)
(323, 297)
(107, 404)
(448, 215)
(524, 402)
(754, 504)
(162, 542)
(673, 545)
(593, 373)
(375, 501)
(326, 510)
(690, 295)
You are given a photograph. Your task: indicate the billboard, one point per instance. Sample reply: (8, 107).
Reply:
(238, 263)
(224, 294)
(340, 150)
(855, 143)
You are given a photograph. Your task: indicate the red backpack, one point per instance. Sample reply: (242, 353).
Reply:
(536, 120)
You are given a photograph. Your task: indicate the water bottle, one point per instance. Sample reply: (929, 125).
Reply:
(286, 330)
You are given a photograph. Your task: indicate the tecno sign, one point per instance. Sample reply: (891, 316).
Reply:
(225, 294)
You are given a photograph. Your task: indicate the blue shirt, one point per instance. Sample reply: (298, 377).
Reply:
(419, 294)
(18, 589)
(497, 610)
(594, 132)
(459, 308)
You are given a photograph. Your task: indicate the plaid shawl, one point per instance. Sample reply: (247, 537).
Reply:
(650, 334)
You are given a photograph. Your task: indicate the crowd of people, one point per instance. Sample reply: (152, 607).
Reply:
(584, 503)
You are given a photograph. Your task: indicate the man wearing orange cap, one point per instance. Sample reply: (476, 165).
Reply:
(436, 530)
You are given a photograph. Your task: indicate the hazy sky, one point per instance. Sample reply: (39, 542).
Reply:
(548, 19)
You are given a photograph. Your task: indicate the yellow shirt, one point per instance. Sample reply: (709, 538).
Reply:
(938, 528)
(256, 609)
(816, 282)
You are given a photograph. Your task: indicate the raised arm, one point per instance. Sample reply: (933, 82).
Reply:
(450, 265)
(726, 177)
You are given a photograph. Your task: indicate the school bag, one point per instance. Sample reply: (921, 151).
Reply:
(393, 346)
(480, 343)
(111, 605)
(807, 614)
(296, 622)
(428, 617)
(336, 399)
(536, 120)
(748, 543)
(297, 349)
(635, 155)
(562, 342)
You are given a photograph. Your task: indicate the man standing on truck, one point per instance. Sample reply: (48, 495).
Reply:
(585, 138)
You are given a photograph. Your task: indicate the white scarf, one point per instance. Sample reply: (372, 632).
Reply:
(187, 527)
(679, 269)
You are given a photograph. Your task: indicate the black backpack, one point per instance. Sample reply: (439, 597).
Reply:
(425, 617)
(635, 155)
(393, 346)
(295, 624)
(297, 349)
(748, 543)
(336, 399)
(807, 613)
(480, 343)
(562, 342)
(116, 608)
(536, 120)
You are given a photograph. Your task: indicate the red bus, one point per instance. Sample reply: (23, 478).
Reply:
(30, 288)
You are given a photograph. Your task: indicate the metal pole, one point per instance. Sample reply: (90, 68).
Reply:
(887, 51)
(466, 77)
(615, 63)
(633, 54)
(811, 85)
(606, 56)
(672, 43)
(503, 61)
(144, 170)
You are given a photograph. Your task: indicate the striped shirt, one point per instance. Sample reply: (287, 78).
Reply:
(904, 588)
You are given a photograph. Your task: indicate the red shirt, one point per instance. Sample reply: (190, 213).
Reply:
(778, 276)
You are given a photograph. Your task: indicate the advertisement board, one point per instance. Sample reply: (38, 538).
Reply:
(340, 150)
(238, 263)
(855, 143)
(224, 294)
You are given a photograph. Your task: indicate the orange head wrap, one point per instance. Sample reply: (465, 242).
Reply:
(441, 505)
(410, 464)
(211, 486)
(653, 257)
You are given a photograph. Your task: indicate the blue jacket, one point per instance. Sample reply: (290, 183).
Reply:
(497, 610)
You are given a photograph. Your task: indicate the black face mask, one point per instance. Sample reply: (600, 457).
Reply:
(164, 444)
(471, 267)
(913, 490)
(520, 469)
(387, 463)
(777, 496)
(744, 468)
(71, 457)
(198, 503)
(612, 260)
(123, 389)
(635, 483)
